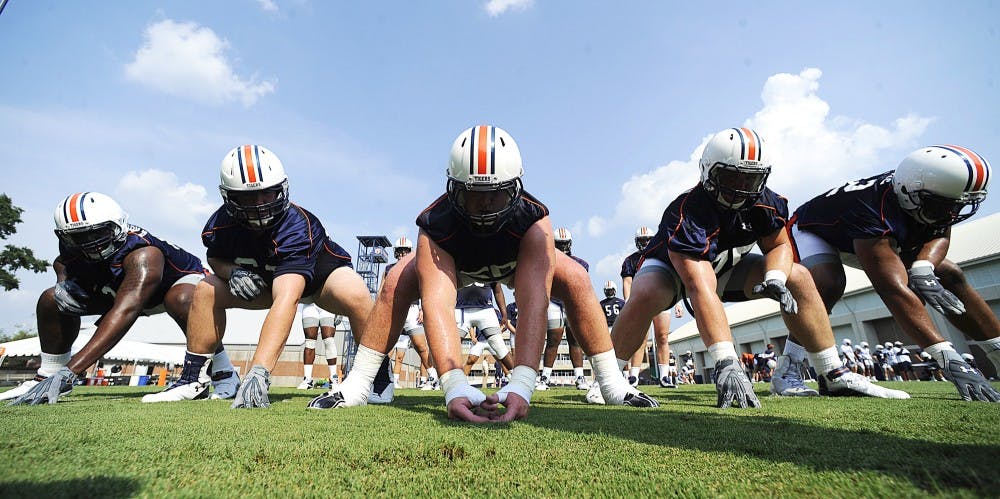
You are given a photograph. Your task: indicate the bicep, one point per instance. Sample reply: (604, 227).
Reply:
(879, 260)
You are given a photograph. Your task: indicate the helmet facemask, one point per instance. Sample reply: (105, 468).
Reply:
(257, 209)
(737, 186)
(940, 211)
(400, 252)
(566, 246)
(642, 242)
(486, 207)
(96, 242)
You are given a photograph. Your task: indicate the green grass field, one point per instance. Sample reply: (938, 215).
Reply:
(102, 442)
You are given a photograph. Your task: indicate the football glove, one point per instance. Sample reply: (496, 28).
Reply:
(68, 296)
(928, 287)
(732, 384)
(49, 389)
(246, 284)
(776, 290)
(253, 391)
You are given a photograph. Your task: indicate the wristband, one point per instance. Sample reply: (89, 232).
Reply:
(522, 382)
(775, 275)
(920, 264)
(456, 385)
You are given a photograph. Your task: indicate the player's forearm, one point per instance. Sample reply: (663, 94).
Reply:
(114, 325)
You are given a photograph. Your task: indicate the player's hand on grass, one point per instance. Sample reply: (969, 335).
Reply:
(516, 406)
(461, 408)
(732, 386)
(48, 390)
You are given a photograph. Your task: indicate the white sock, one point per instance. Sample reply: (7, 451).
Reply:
(546, 372)
(577, 372)
(395, 378)
(723, 350)
(432, 373)
(605, 368)
(366, 365)
(942, 353)
(52, 363)
(634, 371)
(992, 348)
(307, 372)
(663, 369)
(825, 360)
(621, 367)
(221, 362)
(795, 352)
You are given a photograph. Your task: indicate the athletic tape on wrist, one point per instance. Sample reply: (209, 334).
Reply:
(456, 385)
(522, 382)
(776, 275)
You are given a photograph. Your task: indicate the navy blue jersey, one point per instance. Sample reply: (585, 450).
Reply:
(695, 225)
(512, 313)
(631, 264)
(863, 209)
(475, 295)
(612, 307)
(482, 258)
(297, 244)
(102, 279)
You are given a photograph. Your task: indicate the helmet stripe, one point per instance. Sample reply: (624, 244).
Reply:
(256, 160)
(83, 212)
(472, 151)
(979, 169)
(493, 150)
(247, 156)
(481, 154)
(239, 159)
(67, 203)
(752, 149)
(70, 209)
(743, 144)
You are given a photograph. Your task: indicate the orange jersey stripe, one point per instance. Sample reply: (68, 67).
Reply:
(481, 150)
(248, 163)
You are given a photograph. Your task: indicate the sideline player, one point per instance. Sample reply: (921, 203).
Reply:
(896, 227)
(267, 253)
(702, 251)
(316, 322)
(119, 271)
(486, 229)
(661, 322)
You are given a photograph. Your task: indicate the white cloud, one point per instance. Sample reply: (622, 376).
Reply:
(497, 7)
(809, 150)
(187, 60)
(157, 200)
(268, 5)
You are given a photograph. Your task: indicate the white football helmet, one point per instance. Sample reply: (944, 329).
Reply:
(610, 289)
(403, 247)
(864, 344)
(642, 237)
(91, 223)
(734, 168)
(254, 186)
(484, 177)
(941, 185)
(847, 341)
(967, 357)
(564, 240)
(888, 344)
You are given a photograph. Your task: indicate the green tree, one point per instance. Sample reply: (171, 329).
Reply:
(14, 258)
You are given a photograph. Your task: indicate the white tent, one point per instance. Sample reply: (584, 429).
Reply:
(125, 350)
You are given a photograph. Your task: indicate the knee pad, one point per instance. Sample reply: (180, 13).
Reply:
(498, 345)
(310, 344)
(330, 344)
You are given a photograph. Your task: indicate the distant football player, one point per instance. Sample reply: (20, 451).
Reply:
(701, 251)
(413, 331)
(119, 271)
(474, 310)
(316, 322)
(661, 322)
(896, 227)
(267, 253)
(557, 326)
(486, 228)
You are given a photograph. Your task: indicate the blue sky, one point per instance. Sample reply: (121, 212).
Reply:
(610, 103)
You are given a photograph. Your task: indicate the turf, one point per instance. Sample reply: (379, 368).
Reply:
(102, 442)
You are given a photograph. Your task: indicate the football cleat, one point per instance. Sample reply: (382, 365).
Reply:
(581, 383)
(395, 384)
(594, 395)
(633, 380)
(385, 397)
(787, 380)
(639, 399)
(332, 399)
(430, 384)
(842, 382)
(225, 384)
(21, 389)
(666, 383)
(181, 390)
(306, 384)
(542, 383)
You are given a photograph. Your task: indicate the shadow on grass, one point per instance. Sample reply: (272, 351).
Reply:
(98, 486)
(931, 466)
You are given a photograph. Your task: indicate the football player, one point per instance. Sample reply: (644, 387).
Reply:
(316, 321)
(413, 331)
(119, 271)
(557, 326)
(474, 309)
(486, 228)
(267, 253)
(702, 252)
(896, 226)
(661, 322)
